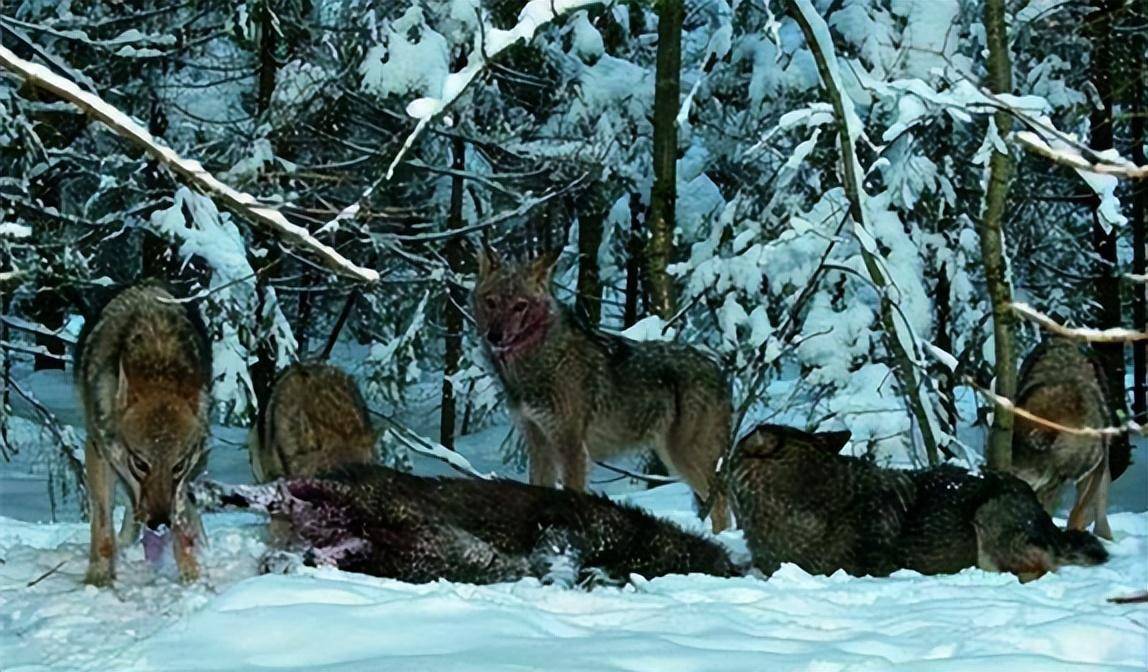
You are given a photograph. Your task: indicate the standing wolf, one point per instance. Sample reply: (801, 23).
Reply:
(143, 368)
(377, 520)
(1061, 382)
(799, 501)
(315, 420)
(575, 393)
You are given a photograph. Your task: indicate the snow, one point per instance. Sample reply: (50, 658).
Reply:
(331, 620)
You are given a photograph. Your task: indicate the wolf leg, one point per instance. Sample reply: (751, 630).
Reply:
(101, 489)
(129, 526)
(543, 469)
(1087, 489)
(187, 531)
(575, 461)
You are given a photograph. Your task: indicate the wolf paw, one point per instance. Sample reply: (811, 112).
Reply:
(280, 562)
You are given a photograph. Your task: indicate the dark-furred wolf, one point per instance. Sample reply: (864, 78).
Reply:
(376, 520)
(1062, 381)
(576, 393)
(315, 420)
(143, 368)
(799, 501)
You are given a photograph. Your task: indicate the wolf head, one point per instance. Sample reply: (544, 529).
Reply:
(765, 439)
(513, 305)
(162, 437)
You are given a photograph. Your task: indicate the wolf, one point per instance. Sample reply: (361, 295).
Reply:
(376, 520)
(1062, 382)
(143, 370)
(315, 420)
(575, 393)
(799, 501)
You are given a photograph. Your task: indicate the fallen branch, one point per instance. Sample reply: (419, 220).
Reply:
(424, 446)
(1114, 335)
(239, 202)
(1130, 599)
(1099, 432)
(46, 574)
(649, 478)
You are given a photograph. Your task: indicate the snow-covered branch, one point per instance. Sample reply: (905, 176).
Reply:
(1114, 335)
(491, 42)
(1066, 155)
(239, 202)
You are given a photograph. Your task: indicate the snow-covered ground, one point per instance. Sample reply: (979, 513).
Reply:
(329, 620)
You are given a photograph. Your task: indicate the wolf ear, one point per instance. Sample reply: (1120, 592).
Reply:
(488, 260)
(123, 396)
(542, 268)
(834, 441)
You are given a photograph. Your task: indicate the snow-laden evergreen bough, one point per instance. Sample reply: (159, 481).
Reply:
(379, 521)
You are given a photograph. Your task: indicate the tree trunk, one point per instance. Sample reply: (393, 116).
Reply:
(903, 366)
(634, 249)
(1107, 282)
(303, 314)
(998, 452)
(660, 222)
(268, 64)
(455, 297)
(590, 219)
(1139, 223)
(263, 367)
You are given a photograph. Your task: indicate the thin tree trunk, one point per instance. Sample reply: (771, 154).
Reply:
(268, 64)
(634, 256)
(663, 196)
(455, 298)
(303, 314)
(1104, 239)
(998, 452)
(1139, 223)
(903, 366)
(944, 341)
(590, 219)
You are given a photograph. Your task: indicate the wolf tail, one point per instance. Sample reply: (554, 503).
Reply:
(1080, 547)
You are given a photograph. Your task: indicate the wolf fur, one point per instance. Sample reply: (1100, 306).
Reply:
(576, 393)
(1061, 381)
(376, 520)
(798, 501)
(315, 420)
(143, 369)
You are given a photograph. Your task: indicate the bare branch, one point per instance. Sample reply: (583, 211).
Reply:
(1116, 335)
(239, 202)
(1008, 405)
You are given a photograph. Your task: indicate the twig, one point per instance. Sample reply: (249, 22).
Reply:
(47, 573)
(1114, 335)
(1130, 599)
(1008, 405)
(239, 202)
(333, 337)
(649, 478)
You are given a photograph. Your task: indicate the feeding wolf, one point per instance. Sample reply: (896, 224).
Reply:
(143, 368)
(575, 393)
(376, 520)
(1061, 382)
(315, 420)
(799, 501)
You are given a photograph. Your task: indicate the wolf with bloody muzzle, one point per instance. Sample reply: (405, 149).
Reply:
(576, 393)
(143, 368)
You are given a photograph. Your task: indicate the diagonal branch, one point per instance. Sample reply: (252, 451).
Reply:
(239, 202)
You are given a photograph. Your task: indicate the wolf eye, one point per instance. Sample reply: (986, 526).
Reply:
(138, 465)
(518, 306)
(491, 303)
(181, 466)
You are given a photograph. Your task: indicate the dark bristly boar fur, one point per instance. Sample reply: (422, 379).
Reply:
(1062, 381)
(143, 368)
(798, 501)
(576, 393)
(315, 420)
(376, 520)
